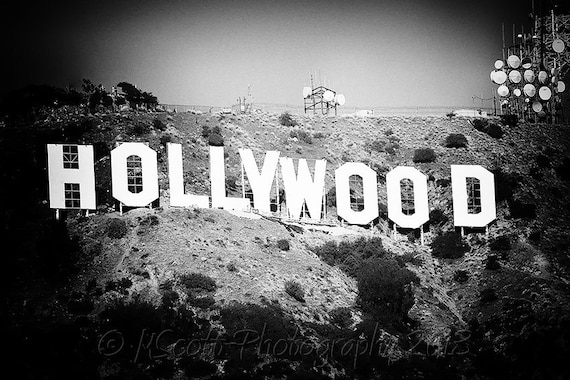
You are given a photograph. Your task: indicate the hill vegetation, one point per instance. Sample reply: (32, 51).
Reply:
(199, 286)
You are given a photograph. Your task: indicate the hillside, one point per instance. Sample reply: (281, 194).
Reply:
(500, 310)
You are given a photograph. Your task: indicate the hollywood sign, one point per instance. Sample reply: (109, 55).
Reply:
(72, 184)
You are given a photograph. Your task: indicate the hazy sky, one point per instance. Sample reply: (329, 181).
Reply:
(376, 53)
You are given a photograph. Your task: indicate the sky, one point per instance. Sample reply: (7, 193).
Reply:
(384, 53)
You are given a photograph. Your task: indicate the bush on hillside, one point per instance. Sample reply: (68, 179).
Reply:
(283, 244)
(488, 295)
(287, 120)
(158, 124)
(543, 161)
(505, 184)
(341, 317)
(449, 245)
(500, 243)
(437, 217)
(294, 289)
(563, 170)
(116, 228)
(456, 140)
(348, 255)
(461, 276)
(520, 210)
(424, 155)
(197, 282)
(383, 288)
(215, 139)
(138, 129)
(301, 135)
(510, 120)
(495, 131)
(480, 124)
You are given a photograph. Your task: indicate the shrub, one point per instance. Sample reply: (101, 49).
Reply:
(377, 145)
(169, 298)
(205, 131)
(231, 267)
(488, 295)
(543, 161)
(138, 129)
(159, 124)
(120, 286)
(510, 120)
(302, 136)
(443, 182)
(116, 228)
(196, 281)
(449, 246)
(383, 288)
(495, 131)
(294, 289)
(437, 217)
(492, 263)
(520, 210)
(451, 115)
(202, 302)
(505, 184)
(342, 317)
(563, 170)
(283, 244)
(412, 258)
(286, 120)
(480, 124)
(424, 155)
(456, 140)
(461, 276)
(349, 254)
(165, 139)
(215, 139)
(501, 243)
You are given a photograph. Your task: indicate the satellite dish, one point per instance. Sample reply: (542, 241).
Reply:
(328, 96)
(526, 63)
(561, 86)
(558, 45)
(499, 64)
(503, 90)
(307, 91)
(537, 106)
(542, 76)
(340, 99)
(544, 93)
(517, 92)
(529, 76)
(515, 76)
(514, 61)
(529, 90)
(499, 77)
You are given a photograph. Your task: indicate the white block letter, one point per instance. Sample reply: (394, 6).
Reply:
(301, 187)
(461, 216)
(176, 179)
(421, 214)
(260, 182)
(218, 182)
(145, 166)
(370, 193)
(65, 174)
